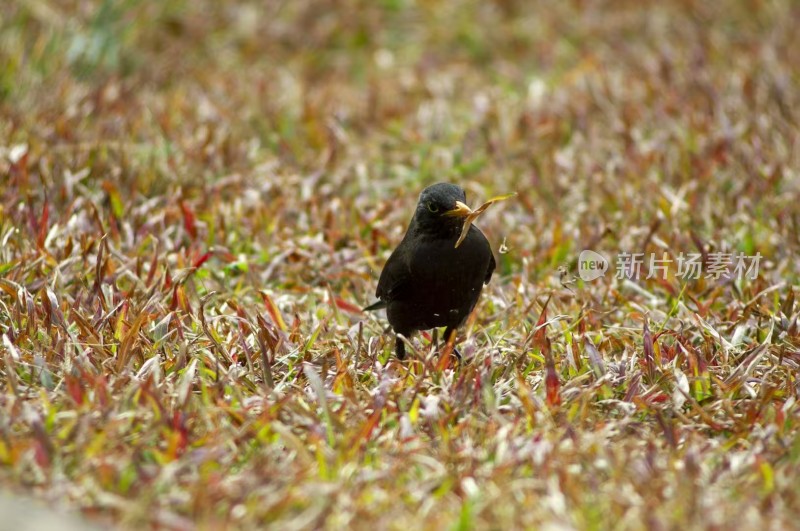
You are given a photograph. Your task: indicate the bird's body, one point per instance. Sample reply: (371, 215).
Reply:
(427, 281)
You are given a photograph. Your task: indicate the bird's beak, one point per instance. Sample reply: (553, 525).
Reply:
(460, 211)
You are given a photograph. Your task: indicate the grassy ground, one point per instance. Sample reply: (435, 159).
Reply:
(198, 196)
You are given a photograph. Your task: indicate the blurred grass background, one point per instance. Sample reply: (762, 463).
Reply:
(259, 160)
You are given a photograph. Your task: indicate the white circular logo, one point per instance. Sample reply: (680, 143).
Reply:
(591, 265)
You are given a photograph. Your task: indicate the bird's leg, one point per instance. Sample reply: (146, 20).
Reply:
(450, 336)
(399, 348)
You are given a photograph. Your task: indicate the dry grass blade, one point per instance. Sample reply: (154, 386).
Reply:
(472, 216)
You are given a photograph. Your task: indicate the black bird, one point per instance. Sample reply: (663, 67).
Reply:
(428, 282)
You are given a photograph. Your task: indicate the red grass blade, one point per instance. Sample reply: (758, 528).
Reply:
(542, 342)
(189, 220)
(43, 224)
(202, 260)
(273, 311)
(649, 354)
(347, 306)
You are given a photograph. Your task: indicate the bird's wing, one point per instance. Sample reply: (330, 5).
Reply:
(480, 240)
(490, 269)
(394, 277)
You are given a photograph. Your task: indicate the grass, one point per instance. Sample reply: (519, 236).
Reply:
(198, 197)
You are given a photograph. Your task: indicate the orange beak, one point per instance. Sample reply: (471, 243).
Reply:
(460, 211)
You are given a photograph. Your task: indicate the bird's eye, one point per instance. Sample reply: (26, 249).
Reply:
(433, 207)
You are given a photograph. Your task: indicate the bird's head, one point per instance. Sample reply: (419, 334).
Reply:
(441, 210)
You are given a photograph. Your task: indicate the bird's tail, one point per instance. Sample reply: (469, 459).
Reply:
(375, 306)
